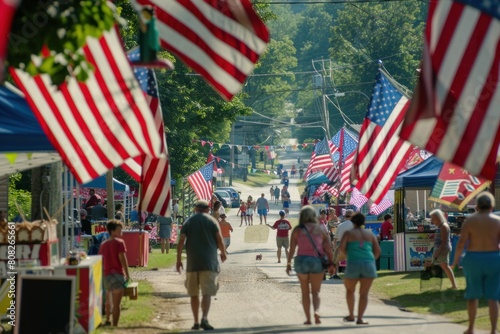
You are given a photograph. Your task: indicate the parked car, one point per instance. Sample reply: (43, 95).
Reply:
(235, 196)
(224, 197)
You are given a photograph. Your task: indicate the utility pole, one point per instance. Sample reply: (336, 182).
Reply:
(231, 155)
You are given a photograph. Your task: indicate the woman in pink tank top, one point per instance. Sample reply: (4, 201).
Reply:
(312, 242)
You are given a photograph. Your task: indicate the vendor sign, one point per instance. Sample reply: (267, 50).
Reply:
(419, 249)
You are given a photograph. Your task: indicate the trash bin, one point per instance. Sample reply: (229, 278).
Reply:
(386, 261)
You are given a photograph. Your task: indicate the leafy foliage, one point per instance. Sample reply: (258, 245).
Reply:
(54, 31)
(19, 199)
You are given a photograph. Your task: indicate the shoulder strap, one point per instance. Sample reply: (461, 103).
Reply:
(311, 240)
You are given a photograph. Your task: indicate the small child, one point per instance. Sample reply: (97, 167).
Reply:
(225, 229)
(114, 265)
(243, 211)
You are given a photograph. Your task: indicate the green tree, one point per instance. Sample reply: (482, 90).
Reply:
(19, 200)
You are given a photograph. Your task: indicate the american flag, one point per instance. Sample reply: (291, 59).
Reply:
(201, 181)
(321, 158)
(385, 203)
(97, 124)
(455, 109)
(153, 173)
(349, 145)
(222, 40)
(7, 11)
(357, 198)
(381, 153)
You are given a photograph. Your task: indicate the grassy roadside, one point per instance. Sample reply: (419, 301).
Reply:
(403, 289)
(140, 312)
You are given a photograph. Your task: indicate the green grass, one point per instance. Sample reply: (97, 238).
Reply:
(135, 312)
(404, 289)
(157, 260)
(258, 179)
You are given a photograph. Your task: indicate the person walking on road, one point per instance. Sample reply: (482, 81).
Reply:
(311, 241)
(262, 208)
(225, 229)
(271, 192)
(277, 193)
(250, 209)
(481, 263)
(202, 237)
(283, 226)
(442, 245)
(361, 248)
(339, 233)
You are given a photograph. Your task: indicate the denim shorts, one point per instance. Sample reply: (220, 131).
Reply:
(114, 282)
(308, 265)
(360, 269)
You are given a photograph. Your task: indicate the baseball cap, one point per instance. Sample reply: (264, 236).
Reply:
(223, 215)
(201, 204)
(282, 213)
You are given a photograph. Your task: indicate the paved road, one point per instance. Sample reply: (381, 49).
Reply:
(259, 297)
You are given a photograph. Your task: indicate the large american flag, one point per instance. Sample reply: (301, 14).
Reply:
(455, 109)
(152, 173)
(97, 124)
(220, 39)
(321, 158)
(346, 156)
(7, 11)
(201, 181)
(381, 153)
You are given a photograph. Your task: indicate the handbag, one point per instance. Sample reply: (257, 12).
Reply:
(324, 258)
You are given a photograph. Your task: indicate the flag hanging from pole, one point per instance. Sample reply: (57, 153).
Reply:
(454, 113)
(357, 198)
(201, 181)
(152, 173)
(385, 203)
(346, 156)
(97, 124)
(221, 40)
(321, 158)
(381, 154)
(455, 187)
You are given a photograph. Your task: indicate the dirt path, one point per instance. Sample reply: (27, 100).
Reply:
(258, 296)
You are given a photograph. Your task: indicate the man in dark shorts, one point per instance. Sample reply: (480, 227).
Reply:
(202, 237)
(262, 208)
(481, 263)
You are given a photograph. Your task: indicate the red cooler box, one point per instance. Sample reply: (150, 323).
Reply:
(137, 244)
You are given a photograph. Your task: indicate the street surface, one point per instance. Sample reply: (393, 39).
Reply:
(259, 297)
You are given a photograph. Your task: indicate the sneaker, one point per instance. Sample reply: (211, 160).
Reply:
(336, 277)
(196, 326)
(205, 325)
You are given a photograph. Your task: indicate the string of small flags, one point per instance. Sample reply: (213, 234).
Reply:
(249, 147)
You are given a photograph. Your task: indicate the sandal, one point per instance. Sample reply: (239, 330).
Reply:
(348, 319)
(317, 321)
(361, 322)
(307, 323)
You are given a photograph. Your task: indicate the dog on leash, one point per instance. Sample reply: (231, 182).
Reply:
(258, 257)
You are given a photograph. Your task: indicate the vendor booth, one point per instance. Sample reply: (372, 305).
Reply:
(414, 234)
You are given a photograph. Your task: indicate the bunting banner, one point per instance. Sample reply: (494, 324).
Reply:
(455, 187)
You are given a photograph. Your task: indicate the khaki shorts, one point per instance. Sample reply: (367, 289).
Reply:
(282, 242)
(206, 280)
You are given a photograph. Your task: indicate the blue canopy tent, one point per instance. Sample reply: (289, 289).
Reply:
(100, 183)
(24, 145)
(317, 179)
(423, 175)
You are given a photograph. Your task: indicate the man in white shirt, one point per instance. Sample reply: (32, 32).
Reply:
(346, 225)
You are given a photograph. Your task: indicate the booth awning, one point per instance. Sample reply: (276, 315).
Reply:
(423, 175)
(317, 179)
